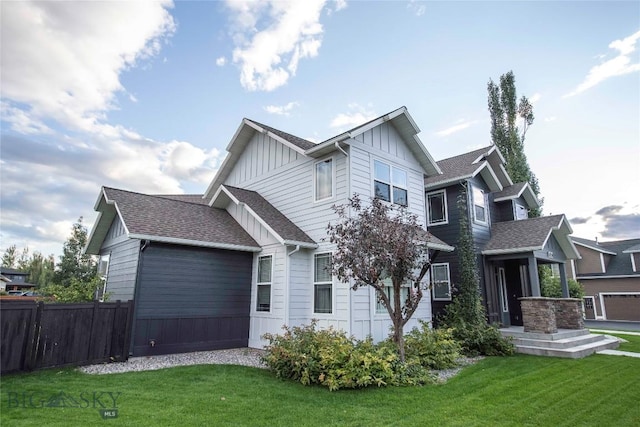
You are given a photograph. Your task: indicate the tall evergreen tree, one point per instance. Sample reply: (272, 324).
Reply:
(505, 134)
(10, 257)
(74, 263)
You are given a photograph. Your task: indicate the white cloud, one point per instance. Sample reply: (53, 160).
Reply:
(289, 31)
(282, 110)
(461, 125)
(550, 119)
(221, 61)
(417, 8)
(63, 59)
(357, 116)
(535, 98)
(617, 66)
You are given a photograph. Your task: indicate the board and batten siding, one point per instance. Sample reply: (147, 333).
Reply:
(123, 262)
(191, 299)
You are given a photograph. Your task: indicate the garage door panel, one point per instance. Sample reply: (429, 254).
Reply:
(622, 307)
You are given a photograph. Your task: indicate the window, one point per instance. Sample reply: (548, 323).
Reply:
(388, 289)
(437, 207)
(103, 271)
(479, 206)
(389, 183)
(264, 283)
(521, 212)
(322, 283)
(441, 282)
(324, 180)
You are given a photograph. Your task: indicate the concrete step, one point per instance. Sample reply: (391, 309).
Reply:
(579, 350)
(570, 343)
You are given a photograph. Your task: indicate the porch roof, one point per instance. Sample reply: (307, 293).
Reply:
(530, 235)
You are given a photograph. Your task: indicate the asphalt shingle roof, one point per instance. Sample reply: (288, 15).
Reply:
(297, 141)
(619, 264)
(189, 198)
(524, 234)
(510, 191)
(282, 225)
(457, 167)
(165, 217)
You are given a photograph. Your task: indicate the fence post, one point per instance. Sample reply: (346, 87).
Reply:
(92, 337)
(33, 339)
(127, 334)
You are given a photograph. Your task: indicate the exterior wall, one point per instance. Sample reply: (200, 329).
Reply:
(590, 262)
(286, 179)
(191, 299)
(614, 299)
(551, 251)
(123, 262)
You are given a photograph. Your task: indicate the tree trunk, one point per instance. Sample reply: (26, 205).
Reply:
(398, 337)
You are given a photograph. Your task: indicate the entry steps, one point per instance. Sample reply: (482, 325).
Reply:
(569, 343)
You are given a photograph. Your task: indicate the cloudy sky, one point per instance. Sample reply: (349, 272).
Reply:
(145, 96)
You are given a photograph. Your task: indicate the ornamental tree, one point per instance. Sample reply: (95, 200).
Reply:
(377, 242)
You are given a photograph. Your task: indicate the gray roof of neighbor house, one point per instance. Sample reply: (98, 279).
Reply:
(300, 142)
(165, 219)
(12, 272)
(530, 235)
(274, 219)
(620, 261)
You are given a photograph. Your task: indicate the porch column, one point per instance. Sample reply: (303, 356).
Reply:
(533, 277)
(563, 280)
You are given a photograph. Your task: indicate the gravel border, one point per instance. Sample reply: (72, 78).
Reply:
(236, 356)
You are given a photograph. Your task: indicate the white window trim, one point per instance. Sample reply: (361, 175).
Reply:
(390, 184)
(269, 283)
(333, 179)
(379, 311)
(504, 298)
(446, 208)
(433, 285)
(604, 270)
(633, 262)
(486, 206)
(330, 283)
(515, 211)
(103, 273)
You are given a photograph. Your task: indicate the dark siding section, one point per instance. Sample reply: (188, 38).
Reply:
(501, 211)
(192, 299)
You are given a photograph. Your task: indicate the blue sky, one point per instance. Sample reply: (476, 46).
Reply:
(145, 96)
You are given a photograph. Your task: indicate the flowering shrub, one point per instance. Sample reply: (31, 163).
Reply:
(329, 358)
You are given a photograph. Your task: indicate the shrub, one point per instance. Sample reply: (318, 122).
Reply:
(551, 288)
(433, 348)
(329, 358)
(76, 291)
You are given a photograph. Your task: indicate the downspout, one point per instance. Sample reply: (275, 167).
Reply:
(337, 144)
(288, 285)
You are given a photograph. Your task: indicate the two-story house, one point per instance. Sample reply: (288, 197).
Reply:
(248, 256)
(510, 245)
(15, 280)
(610, 274)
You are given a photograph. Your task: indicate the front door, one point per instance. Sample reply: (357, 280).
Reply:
(511, 290)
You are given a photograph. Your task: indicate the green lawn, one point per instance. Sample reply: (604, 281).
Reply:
(633, 344)
(521, 390)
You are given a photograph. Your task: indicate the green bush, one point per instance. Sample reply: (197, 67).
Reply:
(77, 291)
(432, 348)
(550, 288)
(329, 358)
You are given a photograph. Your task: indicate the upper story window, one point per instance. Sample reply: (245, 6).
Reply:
(323, 180)
(480, 213)
(521, 212)
(437, 208)
(263, 300)
(390, 183)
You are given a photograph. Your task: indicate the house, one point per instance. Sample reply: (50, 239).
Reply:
(15, 280)
(610, 274)
(248, 256)
(510, 245)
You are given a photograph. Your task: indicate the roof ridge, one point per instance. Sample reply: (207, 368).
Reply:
(158, 196)
(468, 153)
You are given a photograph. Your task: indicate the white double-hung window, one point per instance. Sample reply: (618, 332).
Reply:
(441, 282)
(437, 207)
(265, 268)
(322, 283)
(388, 290)
(390, 183)
(323, 180)
(480, 213)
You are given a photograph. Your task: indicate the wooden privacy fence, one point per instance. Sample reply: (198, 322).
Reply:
(36, 335)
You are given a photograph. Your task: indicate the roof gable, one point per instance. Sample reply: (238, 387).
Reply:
(514, 191)
(167, 220)
(285, 231)
(621, 251)
(468, 165)
(529, 235)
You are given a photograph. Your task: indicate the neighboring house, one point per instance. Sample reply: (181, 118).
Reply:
(610, 274)
(17, 280)
(219, 270)
(3, 282)
(510, 245)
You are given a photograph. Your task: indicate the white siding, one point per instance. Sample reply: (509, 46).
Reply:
(123, 262)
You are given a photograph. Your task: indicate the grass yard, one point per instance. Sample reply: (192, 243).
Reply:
(521, 390)
(633, 344)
